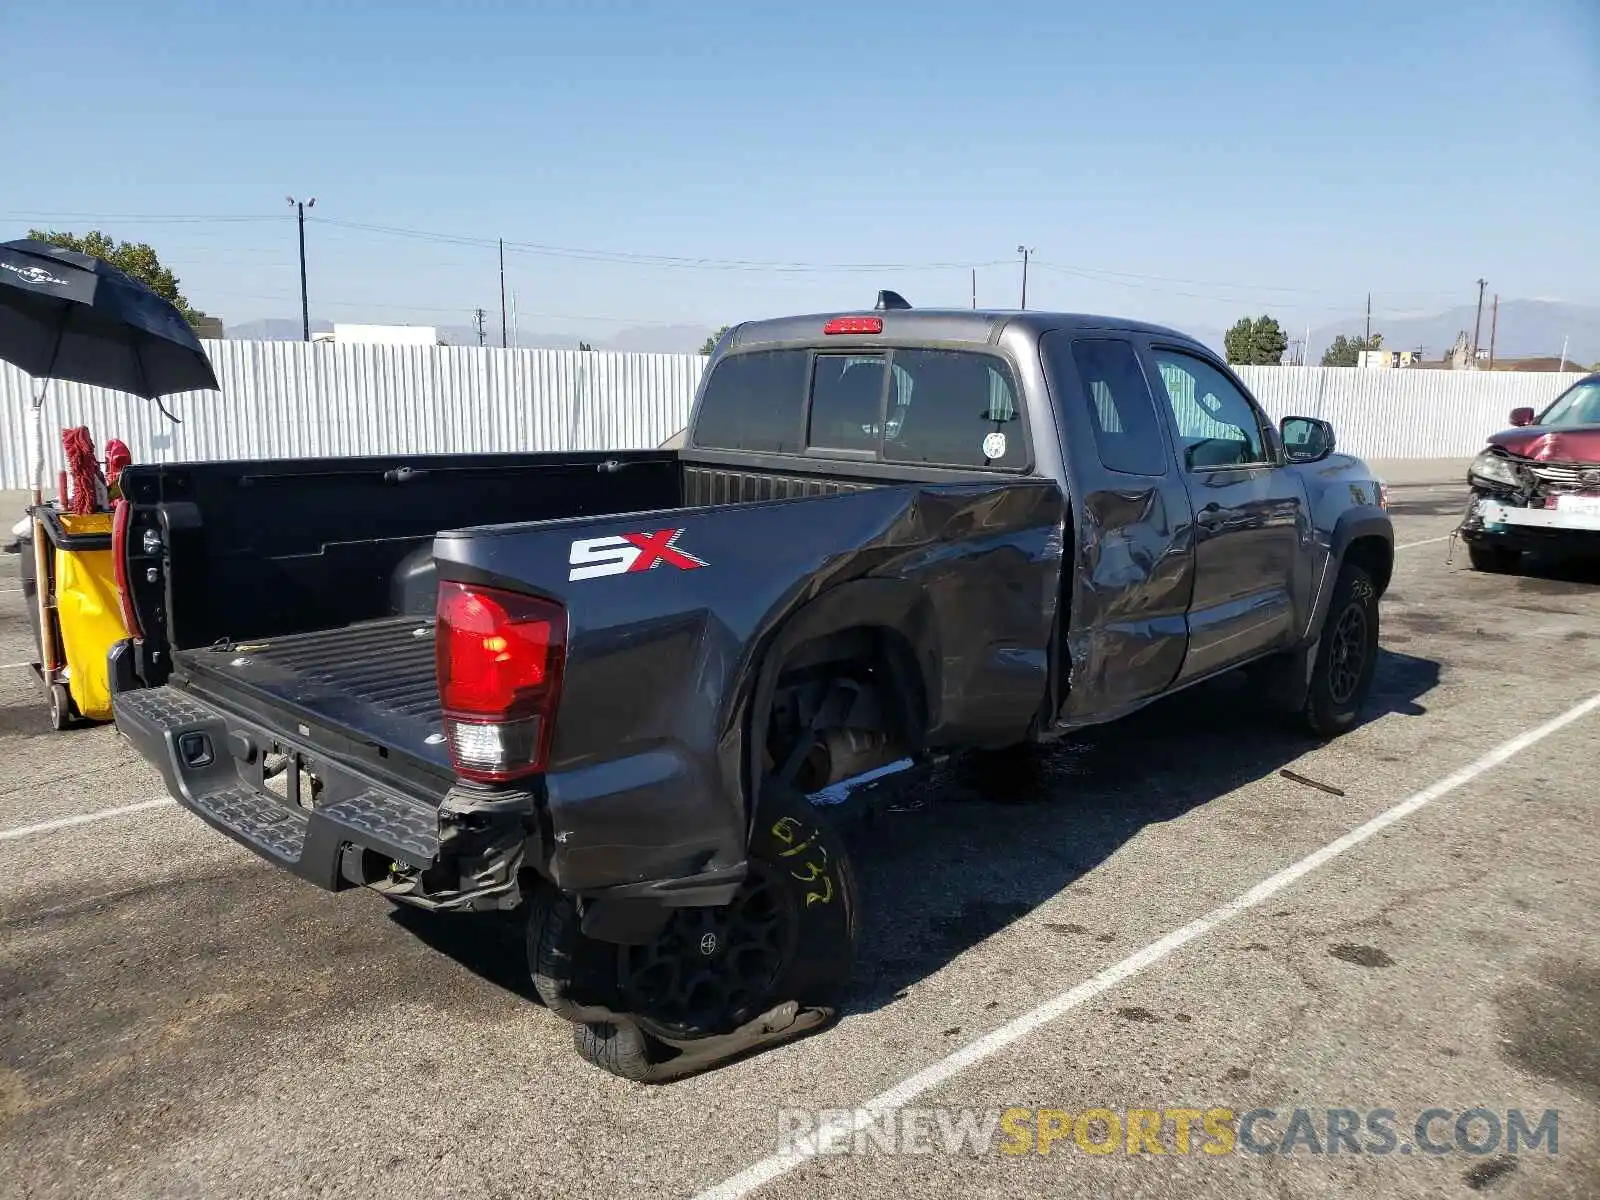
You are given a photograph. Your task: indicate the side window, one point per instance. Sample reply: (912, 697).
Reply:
(1217, 425)
(1127, 436)
(953, 408)
(754, 402)
(847, 401)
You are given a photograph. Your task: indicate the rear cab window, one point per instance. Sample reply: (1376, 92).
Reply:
(752, 402)
(954, 408)
(846, 410)
(926, 407)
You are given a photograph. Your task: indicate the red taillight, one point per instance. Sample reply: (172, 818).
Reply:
(499, 657)
(854, 325)
(122, 513)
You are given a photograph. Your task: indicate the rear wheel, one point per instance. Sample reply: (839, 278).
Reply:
(706, 988)
(1492, 559)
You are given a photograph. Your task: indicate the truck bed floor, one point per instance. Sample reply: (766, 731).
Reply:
(373, 681)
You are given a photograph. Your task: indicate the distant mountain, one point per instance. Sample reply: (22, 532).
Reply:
(272, 329)
(658, 339)
(1526, 328)
(643, 339)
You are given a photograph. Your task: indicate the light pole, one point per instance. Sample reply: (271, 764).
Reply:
(1026, 252)
(305, 305)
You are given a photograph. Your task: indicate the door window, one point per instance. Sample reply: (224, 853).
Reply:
(1217, 424)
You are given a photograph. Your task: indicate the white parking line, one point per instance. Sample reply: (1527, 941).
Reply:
(13, 666)
(1425, 542)
(831, 1133)
(105, 814)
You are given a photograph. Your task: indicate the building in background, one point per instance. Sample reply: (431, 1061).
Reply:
(1385, 359)
(380, 335)
(209, 327)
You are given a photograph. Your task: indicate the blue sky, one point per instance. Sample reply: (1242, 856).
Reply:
(1185, 162)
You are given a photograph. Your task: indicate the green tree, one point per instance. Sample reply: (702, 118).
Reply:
(1346, 351)
(1256, 342)
(711, 342)
(136, 258)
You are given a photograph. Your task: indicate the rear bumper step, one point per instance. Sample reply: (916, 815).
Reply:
(211, 762)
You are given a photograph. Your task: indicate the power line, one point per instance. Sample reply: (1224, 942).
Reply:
(1242, 293)
(639, 258)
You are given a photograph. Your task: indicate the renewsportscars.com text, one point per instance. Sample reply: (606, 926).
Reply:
(1179, 1130)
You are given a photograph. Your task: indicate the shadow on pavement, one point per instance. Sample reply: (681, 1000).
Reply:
(990, 837)
(1548, 576)
(490, 945)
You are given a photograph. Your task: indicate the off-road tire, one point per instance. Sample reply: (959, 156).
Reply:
(800, 872)
(1347, 656)
(1492, 559)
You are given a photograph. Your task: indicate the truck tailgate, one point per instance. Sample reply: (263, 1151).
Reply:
(372, 682)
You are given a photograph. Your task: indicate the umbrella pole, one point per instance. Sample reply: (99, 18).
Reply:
(41, 555)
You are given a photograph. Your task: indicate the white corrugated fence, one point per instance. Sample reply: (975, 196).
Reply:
(1404, 412)
(297, 399)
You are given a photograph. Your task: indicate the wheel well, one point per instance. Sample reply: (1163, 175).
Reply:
(878, 667)
(1375, 556)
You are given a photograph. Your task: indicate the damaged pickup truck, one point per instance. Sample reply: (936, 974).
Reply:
(608, 693)
(1536, 487)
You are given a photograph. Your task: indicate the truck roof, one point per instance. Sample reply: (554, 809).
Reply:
(982, 326)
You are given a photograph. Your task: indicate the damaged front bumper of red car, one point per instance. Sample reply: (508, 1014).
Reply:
(1520, 504)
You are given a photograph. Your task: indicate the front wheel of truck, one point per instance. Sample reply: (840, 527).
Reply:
(1346, 657)
(714, 983)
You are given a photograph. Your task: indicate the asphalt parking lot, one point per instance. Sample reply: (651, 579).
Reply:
(179, 1019)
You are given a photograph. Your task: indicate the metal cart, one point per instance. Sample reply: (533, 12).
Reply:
(69, 582)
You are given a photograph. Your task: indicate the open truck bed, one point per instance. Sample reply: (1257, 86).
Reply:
(283, 612)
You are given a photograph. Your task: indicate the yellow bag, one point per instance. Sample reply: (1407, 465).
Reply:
(89, 614)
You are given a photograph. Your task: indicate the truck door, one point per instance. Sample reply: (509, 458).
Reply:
(1250, 514)
(1126, 616)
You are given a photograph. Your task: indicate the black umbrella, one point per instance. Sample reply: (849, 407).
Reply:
(65, 315)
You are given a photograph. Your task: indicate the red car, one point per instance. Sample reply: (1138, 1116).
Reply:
(1536, 487)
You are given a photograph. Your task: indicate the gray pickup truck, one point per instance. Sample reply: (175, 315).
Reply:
(610, 694)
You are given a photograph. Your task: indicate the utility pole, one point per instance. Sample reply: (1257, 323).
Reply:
(1477, 327)
(1026, 252)
(974, 287)
(305, 303)
(503, 342)
(1494, 328)
(1564, 340)
(479, 317)
(1366, 342)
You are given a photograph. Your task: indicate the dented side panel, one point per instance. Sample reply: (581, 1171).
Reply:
(1131, 570)
(661, 657)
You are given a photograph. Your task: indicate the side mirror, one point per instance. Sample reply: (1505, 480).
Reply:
(1522, 416)
(1306, 439)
